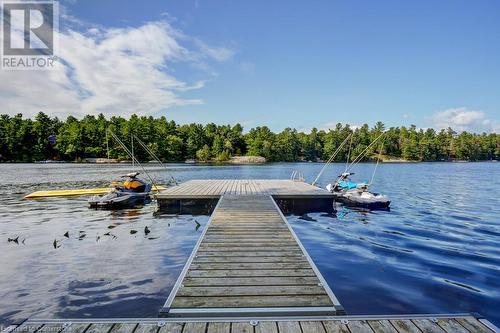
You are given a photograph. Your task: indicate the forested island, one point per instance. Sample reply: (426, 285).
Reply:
(49, 138)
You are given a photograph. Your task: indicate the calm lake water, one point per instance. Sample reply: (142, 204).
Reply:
(436, 251)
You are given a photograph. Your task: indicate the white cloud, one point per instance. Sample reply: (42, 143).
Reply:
(463, 119)
(216, 53)
(108, 70)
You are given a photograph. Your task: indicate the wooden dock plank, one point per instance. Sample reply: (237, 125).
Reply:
(251, 273)
(251, 281)
(241, 327)
(335, 327)
(251, 301)
(266, 327)
(221, 253)
(427, 326)
(312, 327)
(261, 248)
(219, 328)
(451, 325)
(473, 325)
(123, 328)
(404, 326)
(147, 328)
(249, 244)
(200, 259)
(242, 238)
(171, 328)
(289, 326)
(99, 328)
(244, 266)
(382, 326)
(359, 326)
(208, 189)
(251, 291)
(197, 327)
(76, 328)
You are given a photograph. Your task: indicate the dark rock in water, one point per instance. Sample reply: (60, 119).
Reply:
(97, 238)
(66, 234)
(82, 236)
(14, 240)
(56, 244)
(153, 238)
(197, 225)
(133, 232)
(110, 234)
(111, 226)
(146, 230)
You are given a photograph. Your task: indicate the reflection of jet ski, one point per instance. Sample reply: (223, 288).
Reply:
(131, 192)
(357, 194)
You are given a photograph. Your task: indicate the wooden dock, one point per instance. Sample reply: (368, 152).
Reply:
(214, 188)
(249, 262)
(465, 323)
(291, 196)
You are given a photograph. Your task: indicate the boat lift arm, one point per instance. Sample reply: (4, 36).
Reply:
(331, 159)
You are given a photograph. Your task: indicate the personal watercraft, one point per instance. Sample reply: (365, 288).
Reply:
(131, 192)
(357, 194)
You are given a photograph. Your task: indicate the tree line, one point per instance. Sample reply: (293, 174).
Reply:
(49, 138)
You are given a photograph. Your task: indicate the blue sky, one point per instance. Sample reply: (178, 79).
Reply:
(315, 63)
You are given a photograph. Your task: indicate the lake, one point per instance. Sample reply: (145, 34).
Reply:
(436, 251)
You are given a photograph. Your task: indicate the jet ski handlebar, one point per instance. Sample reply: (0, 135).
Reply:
(131, 175)
(346, 174)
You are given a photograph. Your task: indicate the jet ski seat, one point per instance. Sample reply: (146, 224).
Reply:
(134, 185)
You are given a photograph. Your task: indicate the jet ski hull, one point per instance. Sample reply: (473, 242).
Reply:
(370, 205)
(121, 200)
(374, 201)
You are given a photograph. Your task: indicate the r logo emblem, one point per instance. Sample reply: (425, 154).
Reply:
(28, 28)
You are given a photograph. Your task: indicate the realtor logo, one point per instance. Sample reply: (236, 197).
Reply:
(29, 34)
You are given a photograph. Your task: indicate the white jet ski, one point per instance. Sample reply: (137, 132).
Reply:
(357, 195)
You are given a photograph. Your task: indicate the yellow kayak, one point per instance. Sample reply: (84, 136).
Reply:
(83, 191)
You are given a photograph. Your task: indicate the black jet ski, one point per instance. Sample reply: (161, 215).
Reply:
(131, 192)
(357, 194)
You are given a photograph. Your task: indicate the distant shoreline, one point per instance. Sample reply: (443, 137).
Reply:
(214, 163)
(47, 138)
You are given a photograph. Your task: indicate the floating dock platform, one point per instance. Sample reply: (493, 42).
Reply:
(291, 196)
(248, 261)
(214, 188)
(465, 323)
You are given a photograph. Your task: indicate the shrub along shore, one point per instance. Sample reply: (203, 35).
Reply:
(49, 138)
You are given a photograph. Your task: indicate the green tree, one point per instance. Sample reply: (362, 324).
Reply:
(204, 154)
(260, 142)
